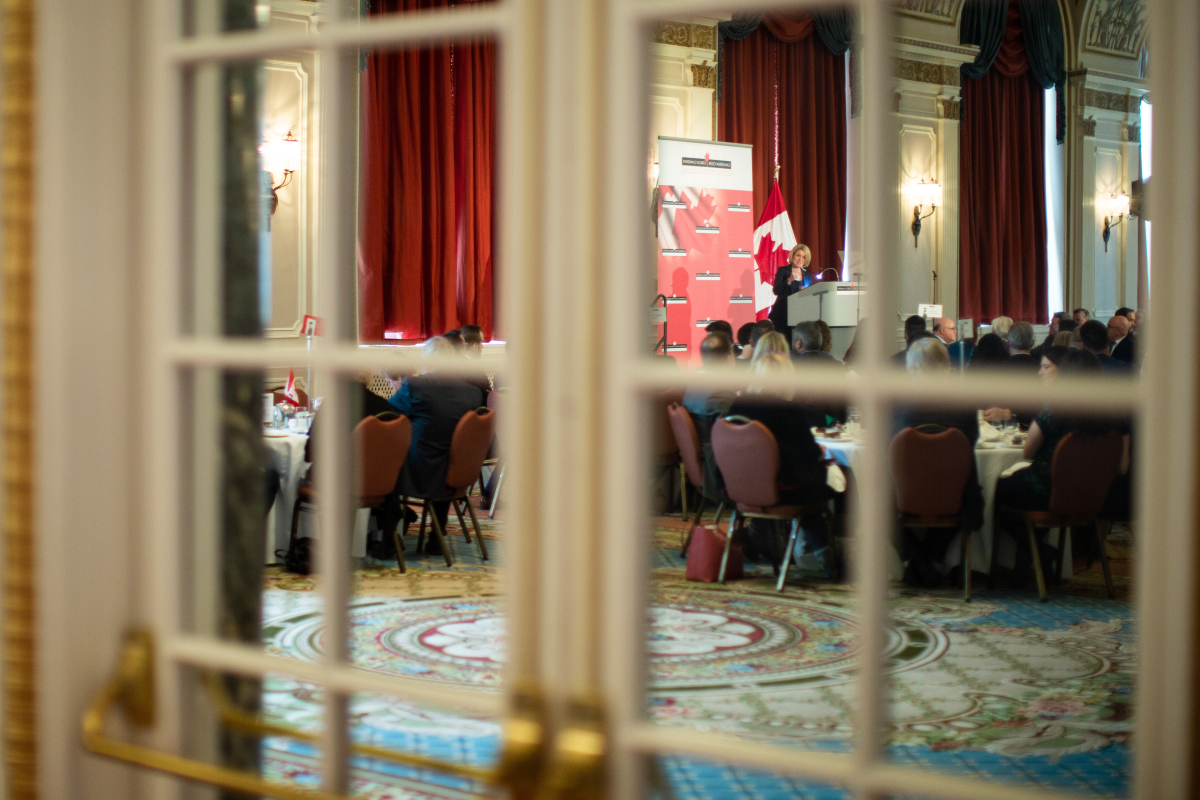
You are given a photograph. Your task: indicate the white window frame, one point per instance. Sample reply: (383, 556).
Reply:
(575, 455)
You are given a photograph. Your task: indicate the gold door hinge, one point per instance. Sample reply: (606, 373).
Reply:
(131, 689)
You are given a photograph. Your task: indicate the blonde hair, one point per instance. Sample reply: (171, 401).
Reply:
(772, 362)
(1062, 338)
(807, 255)
(773, 342)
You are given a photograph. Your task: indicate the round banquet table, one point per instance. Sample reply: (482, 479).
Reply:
(285, 452)
(991, 459)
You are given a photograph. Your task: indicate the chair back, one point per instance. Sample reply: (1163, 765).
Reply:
(688, 442)
(748, 457)
(1081, 473)
(929, 471)
(493, 400)
(664, 435)
(469, 447)
(380, 449)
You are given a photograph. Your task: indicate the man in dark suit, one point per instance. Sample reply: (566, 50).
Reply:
(806, 351)
(434, 404)
(1095, 338)
(1020, 342)
(1122, 341)
(914, 328)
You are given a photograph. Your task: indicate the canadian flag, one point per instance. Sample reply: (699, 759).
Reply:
(773, 240)
(289, 391)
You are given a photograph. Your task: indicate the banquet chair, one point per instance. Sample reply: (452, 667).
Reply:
(468, 449)
(1081, 472)
(667, 450)
(688, 442)
(380, 448)
(926, 499)
(493, 403)
(748, 457)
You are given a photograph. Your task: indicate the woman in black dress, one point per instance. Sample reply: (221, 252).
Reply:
(789, 279)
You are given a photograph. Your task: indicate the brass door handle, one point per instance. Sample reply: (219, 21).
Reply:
(131, 689)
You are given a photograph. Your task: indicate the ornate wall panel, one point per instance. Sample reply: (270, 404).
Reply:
(1116, 27)
(924, 72)
(686, 34)
(939, 10)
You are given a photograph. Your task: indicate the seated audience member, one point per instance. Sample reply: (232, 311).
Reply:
(1076, 339)
(826, 337)
(1055, 326)
(744, 350)
(363, 403)
(1127, 313)
(1028, 489)
(1080, 315)
(1061, 339)
(773, 342)
(922, 553)
(945, 329)
(455, 338)
(990, 351)
(1095, 339)
(1020, 342)
(760, 329)
(706, 406)
(914, 328)
(807, 340)
(1001, 326)
(472, 336)
(801, 476)
(720, 326)
(1052, 356)
(434, 403)
(808, 343)
(1122, 342)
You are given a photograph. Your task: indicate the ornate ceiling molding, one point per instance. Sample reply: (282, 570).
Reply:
(1112, 101)
(969, 51)
(938, 10)
(924, 72)
(1116, 27)
(686, 34)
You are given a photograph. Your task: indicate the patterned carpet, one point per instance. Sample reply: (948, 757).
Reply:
(1004, 688)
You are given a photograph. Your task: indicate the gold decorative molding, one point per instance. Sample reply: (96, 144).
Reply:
(1088, 125)
(1133, 133)
(16, 280)
(924, 72)
(686, 34)
(951, 109)
(1118, 29)
(704, 76)
(939, 10)
(1112, 101)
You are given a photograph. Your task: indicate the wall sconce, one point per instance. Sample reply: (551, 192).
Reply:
(1116, 208)
(925, 193)
(280, 156)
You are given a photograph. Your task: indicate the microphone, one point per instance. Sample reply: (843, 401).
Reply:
(821, 275)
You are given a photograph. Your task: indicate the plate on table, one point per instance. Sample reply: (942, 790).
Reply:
(273, 433)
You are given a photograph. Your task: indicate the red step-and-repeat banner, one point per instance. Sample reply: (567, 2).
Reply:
(705, 232)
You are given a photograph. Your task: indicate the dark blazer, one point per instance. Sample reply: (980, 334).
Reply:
(784, 287)
(1126, 349)
(368, 405)
(706, 407)
(1023, 362)
(434, 404)
(817, 412)
(1113, 366)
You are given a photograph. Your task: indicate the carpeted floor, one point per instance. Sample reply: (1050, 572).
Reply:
(1004, 688)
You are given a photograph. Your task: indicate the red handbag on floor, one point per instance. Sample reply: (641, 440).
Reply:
(704, 556)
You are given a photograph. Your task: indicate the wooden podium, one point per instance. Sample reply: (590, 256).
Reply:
(839, 304)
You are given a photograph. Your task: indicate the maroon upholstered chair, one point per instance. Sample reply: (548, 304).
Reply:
(748, 457)
(1081, 472)
(468, 449)
(929, 469)
(692, 459)
(380, 448)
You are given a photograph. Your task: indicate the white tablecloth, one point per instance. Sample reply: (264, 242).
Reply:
(991, 461)
(286, 454)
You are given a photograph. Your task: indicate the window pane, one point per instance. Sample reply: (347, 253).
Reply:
(992, 683)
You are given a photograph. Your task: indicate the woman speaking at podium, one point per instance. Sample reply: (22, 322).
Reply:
(789, 279)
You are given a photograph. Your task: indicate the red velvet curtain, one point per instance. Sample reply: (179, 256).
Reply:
(1002, 231)
(426, 238)
(782, 85)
